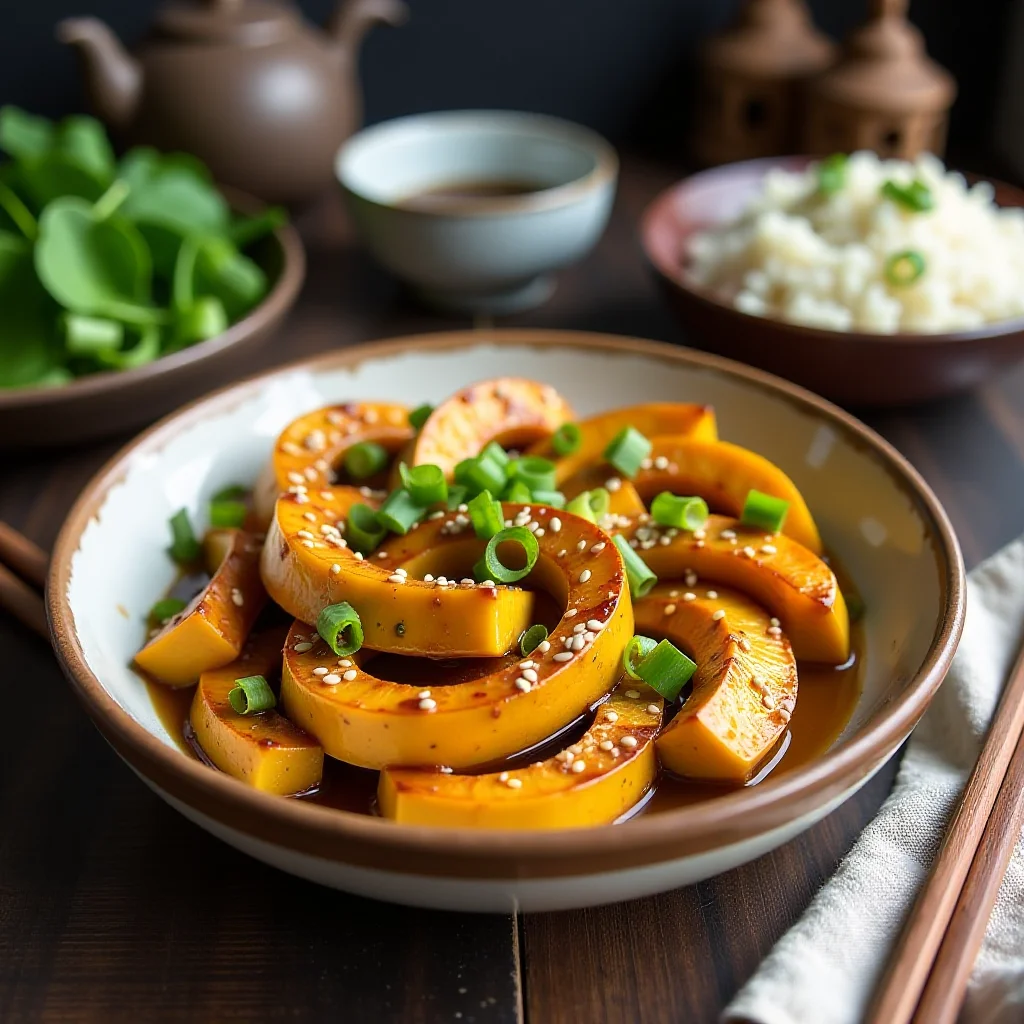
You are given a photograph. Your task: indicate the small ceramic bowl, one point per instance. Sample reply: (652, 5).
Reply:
(850, 367)
(875, 513)
(103, 404)
(525, 195)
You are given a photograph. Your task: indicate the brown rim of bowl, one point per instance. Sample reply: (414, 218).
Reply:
(274, 304)
(661, 207)
(606, 168)
(352, 838)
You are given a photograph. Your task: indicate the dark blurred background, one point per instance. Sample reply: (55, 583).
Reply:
(621, 66)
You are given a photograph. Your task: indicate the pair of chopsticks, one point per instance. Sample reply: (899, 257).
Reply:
(23, 568)
(932, 962)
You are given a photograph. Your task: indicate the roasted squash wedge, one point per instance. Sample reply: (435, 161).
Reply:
(509, 410)
(210, 632)
(368, 721)
(309, 449)
(744, 689)
(592, 782)
(794, 584)
(680, 419)
(265, 750)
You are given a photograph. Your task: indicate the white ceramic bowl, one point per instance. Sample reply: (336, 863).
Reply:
(490, 253)
(874, 511)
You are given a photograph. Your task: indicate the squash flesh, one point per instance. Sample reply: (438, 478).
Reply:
(547, 794)
(265, 751)
(729, 723)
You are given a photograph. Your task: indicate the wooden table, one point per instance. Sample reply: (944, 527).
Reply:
(115, 908)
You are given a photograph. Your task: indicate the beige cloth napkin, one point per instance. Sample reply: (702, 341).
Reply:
(825, 969)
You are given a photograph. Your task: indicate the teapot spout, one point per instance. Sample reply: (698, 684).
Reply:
(352, 19)
(113, 78)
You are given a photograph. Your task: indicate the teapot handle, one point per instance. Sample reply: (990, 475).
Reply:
(351, 19)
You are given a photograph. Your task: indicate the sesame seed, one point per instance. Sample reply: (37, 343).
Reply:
(774, 631)
(331, 679)
(653, 709)
(357, 555)
(712, 595)
(445, 770)
(436, 515)
(463, 508)
(382, 554)
(606, 744)
(539, 532)
(661, 462)
(428, 704)
(309, 517)
(569, 613)
(690, 579)
(612, 716)
(530, 674)
(401, 572)
(665, 540)
(580, 627)
(769, 549)
(749, 552)
(514, 783)
(645, 463)
(629, 742)
(632, 694)
(305, 534)
(303, 647)
(581, 545)
(237, 598)
(320, 671)
(774, 621)
(615, 751)
(579, 766)
(562, 656)
(529, 663)
(544, 646)
(585, 575)
(599, 546)
(441, 581)
(395, 578)
(523, 684)
(758, 684)
(768, 701)
(689, 596)
(613, 484)
(350, 675)
(344, 663)
(578, 642)
(669, 609)
(699, 534)
(699, 544)
(429, 578)
(503, 777)
(784, 714)
(562, 553)
(718, 615)
(555, 524)
(296, 478)
(727, 534)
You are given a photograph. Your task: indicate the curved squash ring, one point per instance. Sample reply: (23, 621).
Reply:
(612, 777)
(744, 689)
(510, 410)
(370, 722)
(266, 751)
(719, 472)
(309, 448)
(793, 583)
(210, 632)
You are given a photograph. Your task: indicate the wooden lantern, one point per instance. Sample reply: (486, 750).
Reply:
(751, 82)
(884, 93)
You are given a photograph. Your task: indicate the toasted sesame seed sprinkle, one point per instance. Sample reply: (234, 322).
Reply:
(401, 572)
(326, 496)
(595, 625)
(718, 615)
(749, 552)
(555, 524)
(529, 663)
(581, 545)
(544, 646)
(645, 463)
(428, 704)
(436, 515)
(569, 613)
(612, 716)
(653, 709)
(350, 675)
(523, 684)
(632, 694)
(768, 701)
(774, 631)
(344, 663)
(503, 777)
(514, 783)
(302, 647)
(331, 679)
(320, 671)
(699, 534)
(578, 642)
(585, 576)
(616, 751)
(441, 581)
(728, 535)
(712, 595)
(769, 549)
(661, 462)
(580, 627)
(629, 742)
(613, 484)
(669, 609)
(237, 598)
(599, 546)
(784, 714)
(357, 555)
(304, 534)
(562, 553)
(423, 694)
(774, 621)
(579, 766)
(606, 745)
(382, 554)
(309, 517)
(296, 478)
(467, 582)
(395, 578)
(429, 578)
(562, 656)
(689, 596)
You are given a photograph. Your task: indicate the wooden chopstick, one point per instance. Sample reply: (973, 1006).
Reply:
(947, 983)
(19, 557)
(27, 559)
(24, 603)
(915, 953)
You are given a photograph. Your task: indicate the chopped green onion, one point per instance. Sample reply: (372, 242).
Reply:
(538, 474)
(764, 511)
(493, 450)
(251, 694)
(832, 174)
(641, 579)
(419, 416)
(426, 484)
(496, 569)
(590, 505)
(341, 628)
(556, 499)
(87, 335)
(457, 495)
(682, 513)
(364, 459)
(230, 493)
(916, 197)
(362, 530)
(627, 450)
(400, 512)
(517, 491)
(666, 669)
(184, 546)
(228, 513)
(567, 439)
(165, 610)
(532, 637)
(483, 473)
(636, 650)
(904, 268)
(486, 515)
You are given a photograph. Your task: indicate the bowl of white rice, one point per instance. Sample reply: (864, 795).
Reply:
(874, 282)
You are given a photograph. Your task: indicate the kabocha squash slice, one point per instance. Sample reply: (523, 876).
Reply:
(680, 419)
(719, 472)
(744, 689)
(309, 450)
(264, 750)
(790, 581)
(509, 410)
(592, 782)
(306, 566)
(367, 721)
(210, 632)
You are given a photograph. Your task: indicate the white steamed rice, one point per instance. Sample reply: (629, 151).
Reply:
(799, 256)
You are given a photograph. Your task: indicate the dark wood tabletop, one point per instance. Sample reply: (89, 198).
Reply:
(115, 908)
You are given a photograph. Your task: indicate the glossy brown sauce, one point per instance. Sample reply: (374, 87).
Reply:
(453, 194)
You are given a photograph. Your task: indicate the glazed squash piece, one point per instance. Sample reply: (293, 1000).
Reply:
(652, 419)
(792, 583)
(719, 472)
(367, 721)
(310, 448)
(744, 689)
(592, 782)
(305, 568)
(509, 410)
(264, 750)
(210, 632)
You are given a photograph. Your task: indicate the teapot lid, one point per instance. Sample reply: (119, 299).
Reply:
(248, 21)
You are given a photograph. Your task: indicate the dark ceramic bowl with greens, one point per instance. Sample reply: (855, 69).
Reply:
(126, 286)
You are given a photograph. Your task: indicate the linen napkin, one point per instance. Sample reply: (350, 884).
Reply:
(826, 968)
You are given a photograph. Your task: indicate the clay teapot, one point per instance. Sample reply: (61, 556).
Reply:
(264, 98)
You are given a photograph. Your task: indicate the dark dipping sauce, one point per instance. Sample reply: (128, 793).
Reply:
(442, 198)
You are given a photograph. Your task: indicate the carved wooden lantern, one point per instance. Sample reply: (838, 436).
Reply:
(749, 97)
(884, 94)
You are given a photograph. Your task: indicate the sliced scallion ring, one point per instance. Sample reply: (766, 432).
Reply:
(486, 515)
(492, 450)
(641, 579)
(483, 473)
(365, 459)
(496, 569)
(531, 638)
(165, 609)
(457, 495)
(517, 491)
(341, 628)
(419, 416)
(228, 513)
(184, 547)
(400, 512)
(683, 513)
(916, 197)
(832, 174)
(764, 511)
(666, 669)
(362, 530)
(590, 505)
(636, 650)
(627, 450)
(538, 474)
(251, 694)
(426, 484)
(555, 499)
(904, 268)
(567, 439)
